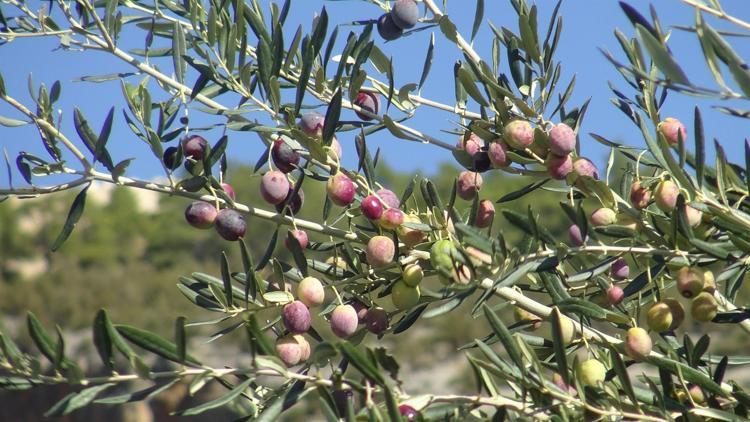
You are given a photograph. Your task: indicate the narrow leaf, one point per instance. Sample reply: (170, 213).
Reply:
(218, 402)
(76, 210)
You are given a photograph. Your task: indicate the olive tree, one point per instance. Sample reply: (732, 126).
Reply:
(598, 329)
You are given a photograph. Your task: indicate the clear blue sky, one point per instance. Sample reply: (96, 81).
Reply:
(587, 26)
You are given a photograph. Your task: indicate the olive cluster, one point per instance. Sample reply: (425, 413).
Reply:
(403, 16)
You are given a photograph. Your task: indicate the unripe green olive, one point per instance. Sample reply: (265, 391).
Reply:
(659, 317)
(704, 307)
(592, 372)
(441, 258)
(403, 296)
(412, 275)
(689, 281)
(638, 343)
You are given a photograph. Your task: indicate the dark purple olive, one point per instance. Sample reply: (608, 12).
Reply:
(194, 146)
(284, 156)
(201, 215)
(405, 14)
(230, 224)
(388, 29)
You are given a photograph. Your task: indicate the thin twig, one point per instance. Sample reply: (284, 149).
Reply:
(48, 128)
(718, 13)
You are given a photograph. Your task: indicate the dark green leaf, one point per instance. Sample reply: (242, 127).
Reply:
(427, 61)
(361, 362)
(523, 191)
(392, 405)
(661, 56)
(75, 401)
(139, 395)
(700, 148)
(178, 51)
(102, 341)
(226, 278)
(622, 373)
(153, 343)
(478, 16)
(297, 253)
(76, 210)
(40, 336)
(218, 402)
(180, 339)
(505, 337)
(251, 278)
(332, 117)
(308, 55)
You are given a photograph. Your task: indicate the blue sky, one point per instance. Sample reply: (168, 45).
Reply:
(588, 25)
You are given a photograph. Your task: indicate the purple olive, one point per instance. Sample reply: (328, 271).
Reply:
(229, 190)
(485, 214)
(230, 224)
(367, 101)
(620, 269)
(405, 14)
(371, 207)
(559, 167)
(392, 218)
(377, 321)
(615, 295)
(274, 187)
(673, 130)
(170, 158)
(193, 146)
(576, 236)
(407, 412)
(296, 317)
(585, 167)
(341, 189)
(498, 153)
(639, 196)
(300, 236)
(312, 123)
(562, 140)
(468, 185)
(389, 198)
(295, 204)
(344, 321)
(201, 215)
(380, 251)
(388, 29)
(519, 134)
(284, 156)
